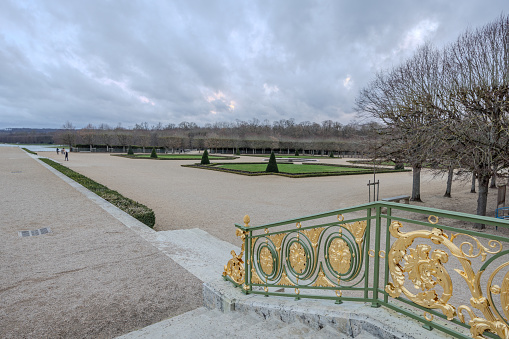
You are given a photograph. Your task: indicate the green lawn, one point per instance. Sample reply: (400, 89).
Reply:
(294, 169)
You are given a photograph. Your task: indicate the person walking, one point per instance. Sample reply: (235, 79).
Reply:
(66, 156)
(57, 150)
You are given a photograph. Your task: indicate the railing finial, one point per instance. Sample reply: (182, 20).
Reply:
(247, 220)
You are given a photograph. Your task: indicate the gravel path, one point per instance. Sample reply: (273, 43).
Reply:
(214, 201)
(92, 277)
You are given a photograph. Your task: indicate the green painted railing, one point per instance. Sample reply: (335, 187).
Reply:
(425, 263)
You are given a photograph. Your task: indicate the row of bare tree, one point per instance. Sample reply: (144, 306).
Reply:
(283, 135)
(447, 107)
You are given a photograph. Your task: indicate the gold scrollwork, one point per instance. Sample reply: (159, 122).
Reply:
(339, 256)
(483, 250)
(297, 257)
(235, 266)
(266, 261)
(424, 270)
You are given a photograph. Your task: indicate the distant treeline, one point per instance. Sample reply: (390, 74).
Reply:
(283, 135)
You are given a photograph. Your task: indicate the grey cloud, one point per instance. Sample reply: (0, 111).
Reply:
(206, 61)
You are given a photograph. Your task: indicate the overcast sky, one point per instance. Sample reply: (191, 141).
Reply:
(90, 61)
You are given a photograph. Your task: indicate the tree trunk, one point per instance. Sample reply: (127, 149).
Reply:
(472, 189)
(493, 183)
(416, 183)
(449, 182)
(482, 198)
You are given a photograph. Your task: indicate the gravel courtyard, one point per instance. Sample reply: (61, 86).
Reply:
(94, 277)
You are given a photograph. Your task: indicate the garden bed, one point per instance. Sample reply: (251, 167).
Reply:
(291, 170)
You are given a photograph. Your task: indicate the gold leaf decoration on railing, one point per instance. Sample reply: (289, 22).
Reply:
(322, 280)
(266, 261)
(340, 256)
(255, 279)
(297, 257)
(483, 250)
(235, 266)
(285, 280)
(313, 235)
(424, 271)
(277, 239)
(358, 229)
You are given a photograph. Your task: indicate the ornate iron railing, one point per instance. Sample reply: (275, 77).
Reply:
(380, 253)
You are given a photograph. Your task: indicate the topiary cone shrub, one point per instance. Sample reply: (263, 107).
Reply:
(205, 158)
(130, 151)
(153, 154)
(331, 154)
(296, 153)
(272, 165)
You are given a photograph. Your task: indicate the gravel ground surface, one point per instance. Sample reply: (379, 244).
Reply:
(214, 201)
(92, 277)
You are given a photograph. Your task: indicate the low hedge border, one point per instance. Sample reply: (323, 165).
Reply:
(131, 207)
(214, 157)
(28, 151)
(213, 167)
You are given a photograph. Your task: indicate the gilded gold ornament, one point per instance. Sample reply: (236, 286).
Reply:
(266, 261)
(297, 257)
(322, 280)
(285, 280)
(423, 270)
(314, 235)
(339, 256)
(277, 239)
(358, 229)
(483, 250)
(255, 279)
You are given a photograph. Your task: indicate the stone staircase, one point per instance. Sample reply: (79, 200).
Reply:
(205, 323)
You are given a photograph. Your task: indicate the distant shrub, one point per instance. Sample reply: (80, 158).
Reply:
(296, 153)
(331, 154)
(153, 154)
(130, 151)
(238, 152)
(205, 158)
(272, 165)
(399, 166)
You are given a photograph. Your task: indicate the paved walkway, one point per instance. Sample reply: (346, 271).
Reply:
(92, 276)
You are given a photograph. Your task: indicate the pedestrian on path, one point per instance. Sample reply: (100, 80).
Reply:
(57, 150)
(66, 156)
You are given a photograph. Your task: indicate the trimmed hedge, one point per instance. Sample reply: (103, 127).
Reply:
(133, 208)
(28, 151)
